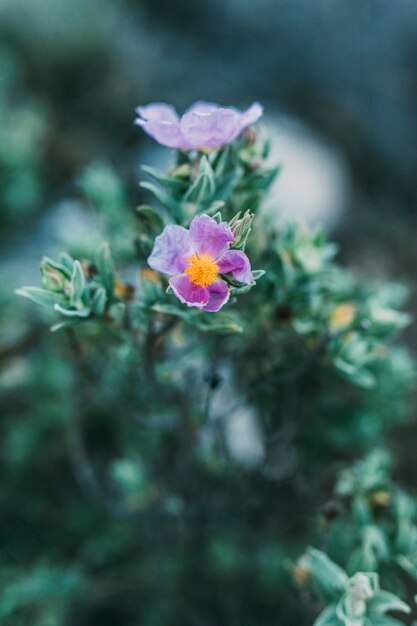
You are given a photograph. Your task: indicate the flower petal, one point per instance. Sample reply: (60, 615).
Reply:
(251, 115)
(209, 237)
(188, 293)
(237, 262)
(203, 107)
(157, 112)
(219, 295)
(161, 122)
(171, 250)
(205, 128)
(165, 133)
(204, 125)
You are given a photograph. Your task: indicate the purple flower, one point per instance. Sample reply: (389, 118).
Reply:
(194, 260)
(204, 126)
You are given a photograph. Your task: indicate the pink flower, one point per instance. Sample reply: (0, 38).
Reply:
(196, 258)
(204, 126)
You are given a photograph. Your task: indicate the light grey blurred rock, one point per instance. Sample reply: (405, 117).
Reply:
(313, 185)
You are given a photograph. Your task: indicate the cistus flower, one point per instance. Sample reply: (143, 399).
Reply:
(195, 259)
(204, 126)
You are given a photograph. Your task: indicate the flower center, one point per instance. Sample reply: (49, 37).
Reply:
(202, 270)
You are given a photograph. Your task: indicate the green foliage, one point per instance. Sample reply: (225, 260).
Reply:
(78, 291)
(378, 520)
(232, 179)
(23, 133)
(136, 417)
(51, 590)
(326, 306)
(355, 601)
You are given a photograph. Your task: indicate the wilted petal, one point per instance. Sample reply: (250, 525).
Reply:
(171, 250)
(209, 237)
(237, 262)
(188, 293)
(210, 128)
(219, 295)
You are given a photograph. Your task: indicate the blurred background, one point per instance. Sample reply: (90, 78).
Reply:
(338, 80)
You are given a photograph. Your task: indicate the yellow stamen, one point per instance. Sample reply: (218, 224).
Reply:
(202, 270)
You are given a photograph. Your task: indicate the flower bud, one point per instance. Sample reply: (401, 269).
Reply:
(359, 591)
(241, 227)
(55, 277)
(342, 316)
(380, 498)
(301, 570)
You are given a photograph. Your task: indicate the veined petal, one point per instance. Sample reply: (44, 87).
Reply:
(188, 293)
(204, 125)
(219, 295)
(209, 237)
(237, 262)
(209, 128)
(171, 250)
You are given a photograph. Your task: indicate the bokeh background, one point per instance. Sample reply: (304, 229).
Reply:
(338, 80)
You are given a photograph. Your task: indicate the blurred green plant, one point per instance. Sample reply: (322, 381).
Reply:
(181, 452)
(23, 134)
(355, 601)
(370, 526)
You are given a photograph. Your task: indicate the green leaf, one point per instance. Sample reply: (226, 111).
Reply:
(151, 216)
(66, 260)
(385, 321)
(384, 601)
(328, 617)
(329, 577)
(170, 182)
(78, 286)
(360, 376)
(407, 565)
(204, 185)
(64, 324)
(383, 620)
(236, 290)
(224, 161)
(43, 297)
(72, 312)
(375, 547)
(226, 186)
(206, 322)
(106, 269)
(217, 322)
(257, 274)
(165, 198)
(98, 304)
